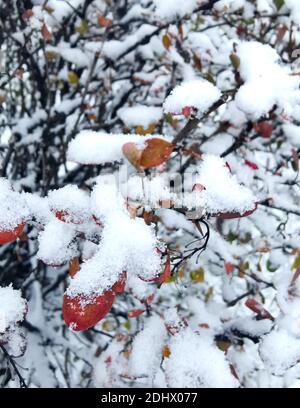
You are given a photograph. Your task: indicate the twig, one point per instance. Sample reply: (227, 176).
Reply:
(12, 362)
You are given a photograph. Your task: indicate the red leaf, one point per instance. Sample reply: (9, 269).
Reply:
(250, 164)
(149, 299)
(186, 111)
(74, 266)
(156, 152)
(229, 267)
(46, 33)
(264, 129)
(27, 14)
(132, 153)
(83, 312)
(257, 308)
(198, 187)
(281, 33)
(11, 235)
(228, 216)
(295, 157)
(166, 272)
(119, 286)
(135, 313)
(104, 22)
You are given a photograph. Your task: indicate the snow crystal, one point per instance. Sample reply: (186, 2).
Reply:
(196, 363)
(55, 243)
(12, 307)
(280, 351)
(140, 115)
(170, 9)
(199, 94)
(73, 202)
(266, 82)
(14, 210)
(147, 348)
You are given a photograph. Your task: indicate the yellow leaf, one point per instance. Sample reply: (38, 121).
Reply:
(127, 325)
(296, 263)
(223, 345)
(108, 326)
(166, 40)
(170, 279)
(235, 60)
(50, 55)
(83, 28)
(73, 78)
(209, 294)
(166, 352)
(197, 275)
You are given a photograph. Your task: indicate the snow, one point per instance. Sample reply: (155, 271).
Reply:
(222, 192)
(55, 243)
(92, 148)
(294, 7)
(196, 363)
(292, 132)
(199, 94)
(73, 202)
(265, 78)
(14, 210)
(148, 191)
(113, 49)
(39, 207)
(140, 115)
(118, 220)
(13, 308)
(147, 348)
(61, 9)
(170, 9)
(109, 365)
(127, 245)
(280, 351)
(73, 55)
